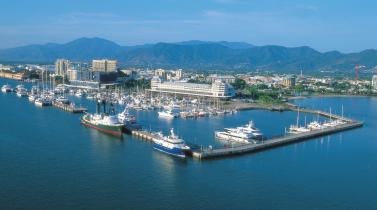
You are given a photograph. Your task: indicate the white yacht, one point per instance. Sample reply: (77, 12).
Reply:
(6, 89)
(294, 129)
(126, 118)
(42, 101)
(21, 92)
(315, 125)
(246, 134)
(167, 113)
(32, 97)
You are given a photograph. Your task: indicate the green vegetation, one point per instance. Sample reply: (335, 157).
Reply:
(260, 93)
(239, 84)
(141, 83)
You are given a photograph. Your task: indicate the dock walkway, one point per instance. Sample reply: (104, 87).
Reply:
(69, 107)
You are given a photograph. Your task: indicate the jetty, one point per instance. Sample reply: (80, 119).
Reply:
(206, 153)
(272, 143)
(69, 107)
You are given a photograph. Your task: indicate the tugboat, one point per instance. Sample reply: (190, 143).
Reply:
(103, 122)
(171, 145)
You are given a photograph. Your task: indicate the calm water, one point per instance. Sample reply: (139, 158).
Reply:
(48, 160)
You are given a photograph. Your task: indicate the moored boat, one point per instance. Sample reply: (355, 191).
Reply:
(6, 89)
(102, 122)
(171, 144)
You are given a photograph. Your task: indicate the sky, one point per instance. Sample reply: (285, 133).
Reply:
(325, 25)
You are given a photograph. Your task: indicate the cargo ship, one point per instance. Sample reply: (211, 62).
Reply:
(106, 122)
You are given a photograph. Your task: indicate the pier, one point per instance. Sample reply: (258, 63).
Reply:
(143, 134)
(207, 153)
(69, 107)
(272, 143)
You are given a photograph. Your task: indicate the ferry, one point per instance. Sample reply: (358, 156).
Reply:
(246, 134)
(6, 89)
(171, 145)
(105, 123)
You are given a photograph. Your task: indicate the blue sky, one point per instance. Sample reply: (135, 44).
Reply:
(347, 25)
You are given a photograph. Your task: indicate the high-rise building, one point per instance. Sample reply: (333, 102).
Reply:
(104, 65)
(374, 82)
(289, 81)
(178, 74)
(61, 66)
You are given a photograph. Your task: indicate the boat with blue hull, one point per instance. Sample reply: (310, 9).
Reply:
(171, 144)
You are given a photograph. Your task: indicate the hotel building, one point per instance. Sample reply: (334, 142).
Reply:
(218, 89)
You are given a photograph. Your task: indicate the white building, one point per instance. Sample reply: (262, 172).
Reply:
(218, 89)
(61, 66)
(224, 78)
(374, 82)
(104, 65)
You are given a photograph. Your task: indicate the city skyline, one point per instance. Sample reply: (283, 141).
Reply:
(325, 26)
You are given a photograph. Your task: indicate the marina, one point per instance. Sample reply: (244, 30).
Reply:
(86, 155)
(249, 138)
(272, 143)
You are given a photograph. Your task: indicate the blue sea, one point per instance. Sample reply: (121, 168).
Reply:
(49, 161)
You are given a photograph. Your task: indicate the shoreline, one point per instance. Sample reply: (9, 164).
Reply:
(329, 96)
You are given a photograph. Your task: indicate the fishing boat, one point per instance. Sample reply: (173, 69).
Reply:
(171, 144)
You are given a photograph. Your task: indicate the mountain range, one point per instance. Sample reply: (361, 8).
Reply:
(195, 54)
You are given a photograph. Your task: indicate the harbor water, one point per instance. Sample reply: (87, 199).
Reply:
(48, 161)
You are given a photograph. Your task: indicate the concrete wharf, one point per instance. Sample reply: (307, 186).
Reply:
(207, 153)
(69, 107)
(272, 143)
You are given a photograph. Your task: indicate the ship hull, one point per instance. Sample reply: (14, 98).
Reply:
(108, 129)
(171, 151)
(223, 136)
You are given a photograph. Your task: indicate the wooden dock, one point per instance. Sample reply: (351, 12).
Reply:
(69, 107)
(272, 143)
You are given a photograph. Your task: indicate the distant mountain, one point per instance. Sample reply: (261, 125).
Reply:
(232, 45)
(195, 54)
(80, 49)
